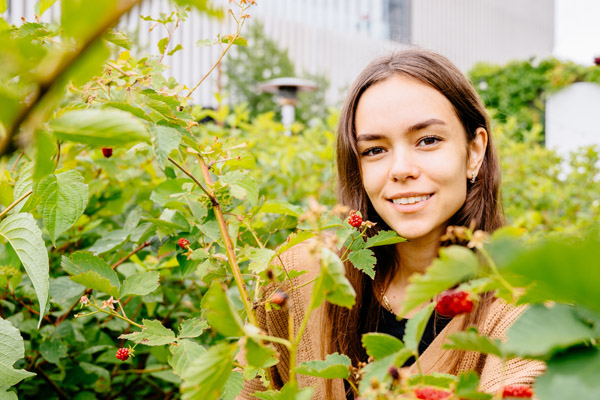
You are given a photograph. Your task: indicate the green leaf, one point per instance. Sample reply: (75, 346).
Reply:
(53, 349)
(334, 366)
(332, 284)
(467, 387)
(164, 141)
(435, 379)
(109, 241)
(118, 38)
(205, 42)
(23, 234)
(571, 375)
(239, 41)
(100, 127)
(454, 265)
(42, 5)
(294, 239)
(90, 63)
(183, 354)
(93, 280)
(363, 260)
(241, 186)
(260, 259)
(259, 356)
(470, 340)
(205, 378)
(4, 393)
(380, 345)
(140, 283)
(175, 50)
(162, 45)
(415, 328)
(281, 207)
(22, 186)
(220, 313)
(384, 238)
(191, 328)
(64, 198)
(11, 350)
(233, 386)
(153, 333)
(379, 369)
(4, 6)
(45, 148)
(204, 6)
(541, 332)
(84, 261)
(77, 17)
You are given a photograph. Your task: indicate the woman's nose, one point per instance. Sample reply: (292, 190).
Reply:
(403, 166)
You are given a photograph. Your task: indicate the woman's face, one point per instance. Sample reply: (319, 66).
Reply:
(414, 157)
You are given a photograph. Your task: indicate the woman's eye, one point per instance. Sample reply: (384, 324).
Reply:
(372, 151)
(428, 141)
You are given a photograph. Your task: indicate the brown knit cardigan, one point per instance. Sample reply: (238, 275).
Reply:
(434, 359)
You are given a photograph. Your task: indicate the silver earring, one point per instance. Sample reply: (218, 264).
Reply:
(473, 176)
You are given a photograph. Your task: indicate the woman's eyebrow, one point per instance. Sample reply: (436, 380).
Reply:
(413, 128)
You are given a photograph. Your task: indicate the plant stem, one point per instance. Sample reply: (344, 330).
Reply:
(213, 200)
(136, 250)
(14, 203)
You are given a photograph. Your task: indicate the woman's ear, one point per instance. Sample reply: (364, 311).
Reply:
(476, 152)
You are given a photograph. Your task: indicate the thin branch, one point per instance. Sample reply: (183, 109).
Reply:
(14, 203)
(17, 161)
(134, 251)
(56, 388)
(212, 198)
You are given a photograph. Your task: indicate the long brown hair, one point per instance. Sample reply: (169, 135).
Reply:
(482, 208)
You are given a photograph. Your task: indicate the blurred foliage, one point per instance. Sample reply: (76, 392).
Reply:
(519, 89)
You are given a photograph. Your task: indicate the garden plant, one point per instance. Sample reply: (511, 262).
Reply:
(136, 243)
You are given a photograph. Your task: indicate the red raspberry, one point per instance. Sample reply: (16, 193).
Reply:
(597, 61)
(453, 302)
(183, 243)
(519, 391)
(279, 298)
(429, 393)
(355, 220)
(123, 354)
(107, 151)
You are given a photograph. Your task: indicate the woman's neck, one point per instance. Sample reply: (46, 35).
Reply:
(414, 257)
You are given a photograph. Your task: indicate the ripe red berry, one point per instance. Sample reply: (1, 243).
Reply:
(429, 393)
(452, 303)
(107, 151)
(279, 298)
(355, 220)
(518, 391)
(183, 243)
(123, 354)
(597, 61)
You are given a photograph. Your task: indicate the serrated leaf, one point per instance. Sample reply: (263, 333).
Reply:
(23, 185)
(239, 41)
(206, 376)
(109, 241)
(416, 326)
(183, 354)
(259, 356)
(470, 340)
(380, 345)
(11, 350)
(241, 186)
(384, 238)
(281, 207)
(289, 391)
(191, 328)
(364, 260)
(220, 313)
(23, 234)
(541, 332)
(94, 280)
(205, 42)
(42, 5)
(571, 375)
(100, 127)
(64, 197)
(140, 283)
(153, 333)
(233, 386)
(164, 140)
(175, 50)
(379, 369)
(455, 264)
(467, 387)
(332, 284)
(84, 261)
(118, 38)
(45, 148)
(334, 366)
(260, 259)
(434, 379)
(162, 45)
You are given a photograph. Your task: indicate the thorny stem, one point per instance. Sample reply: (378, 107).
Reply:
(14, 203)
(240, 24)
(235, 268)
(213, 200)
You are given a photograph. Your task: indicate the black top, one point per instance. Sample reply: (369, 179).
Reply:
(392, 326)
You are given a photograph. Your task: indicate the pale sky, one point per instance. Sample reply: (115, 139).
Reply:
(577, 28)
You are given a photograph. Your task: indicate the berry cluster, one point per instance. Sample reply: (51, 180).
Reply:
(453, 302)
(183, 243)
(107, 151)
(355, 220)
(123, 354)
(429, 393)
(518, 391)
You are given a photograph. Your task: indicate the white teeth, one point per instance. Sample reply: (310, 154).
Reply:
(410, 200)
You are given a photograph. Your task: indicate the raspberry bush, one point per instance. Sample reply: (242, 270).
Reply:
(166, 245)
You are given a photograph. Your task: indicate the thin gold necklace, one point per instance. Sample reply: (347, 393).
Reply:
(386, 302)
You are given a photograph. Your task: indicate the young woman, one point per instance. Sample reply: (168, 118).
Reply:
(414, 155)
